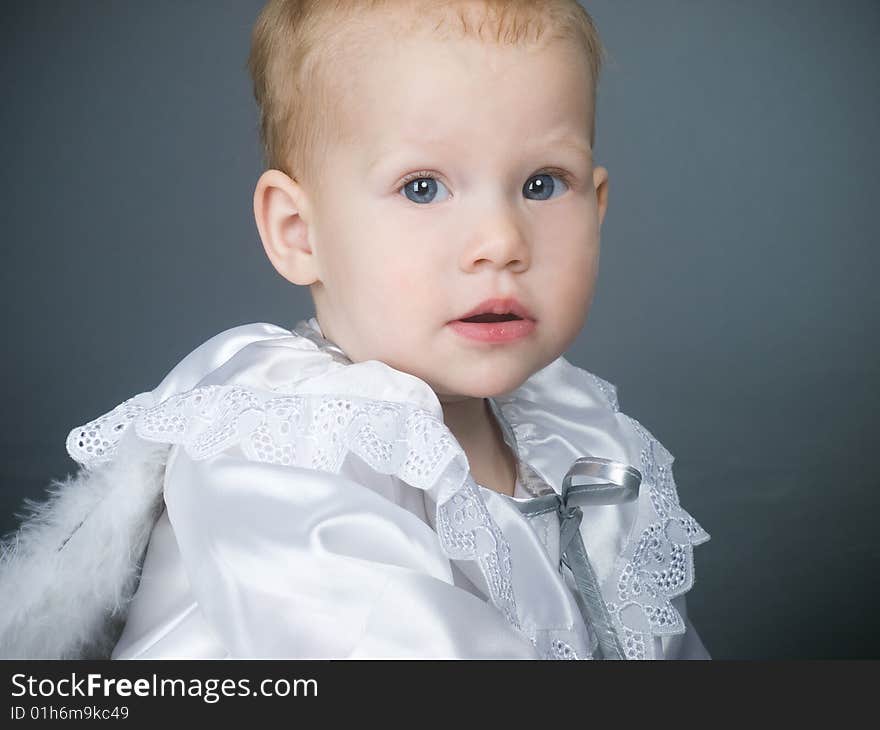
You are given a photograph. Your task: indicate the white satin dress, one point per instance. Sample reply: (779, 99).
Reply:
(318, 508)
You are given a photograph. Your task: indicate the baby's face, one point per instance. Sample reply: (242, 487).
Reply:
(503, 203)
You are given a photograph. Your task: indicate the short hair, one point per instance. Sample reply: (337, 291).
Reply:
(296, 47)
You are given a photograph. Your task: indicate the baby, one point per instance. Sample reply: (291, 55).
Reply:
(439, 174)
(395, 476)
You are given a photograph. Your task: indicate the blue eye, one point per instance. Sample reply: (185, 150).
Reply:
(543, 186)
(420, 187)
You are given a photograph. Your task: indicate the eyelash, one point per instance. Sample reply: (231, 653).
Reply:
(565, 176)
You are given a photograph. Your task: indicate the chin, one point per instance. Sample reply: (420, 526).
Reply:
(489, 385)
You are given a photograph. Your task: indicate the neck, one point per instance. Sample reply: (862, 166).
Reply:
(471, 421)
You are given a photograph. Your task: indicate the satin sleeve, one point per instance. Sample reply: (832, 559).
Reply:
(687, 645)
(292, 562)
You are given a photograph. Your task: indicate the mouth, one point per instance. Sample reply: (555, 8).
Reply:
(493, 329)
(491, 318)
(496, 310)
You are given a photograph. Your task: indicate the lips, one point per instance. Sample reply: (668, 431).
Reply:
(496, 310)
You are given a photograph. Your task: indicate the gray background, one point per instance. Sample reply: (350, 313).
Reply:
(736, 308)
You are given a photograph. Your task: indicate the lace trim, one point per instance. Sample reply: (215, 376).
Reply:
(319, 431)
(608, 390)
(553, 645)
(657, 563)
(95, 442)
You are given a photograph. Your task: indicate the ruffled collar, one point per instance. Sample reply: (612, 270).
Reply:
(267, 391)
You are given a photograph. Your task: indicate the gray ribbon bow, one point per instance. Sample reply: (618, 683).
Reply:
(618, 483)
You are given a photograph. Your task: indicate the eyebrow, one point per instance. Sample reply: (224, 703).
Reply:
(570, 141)
(574, 143)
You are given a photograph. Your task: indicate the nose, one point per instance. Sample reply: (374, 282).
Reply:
(498, 240)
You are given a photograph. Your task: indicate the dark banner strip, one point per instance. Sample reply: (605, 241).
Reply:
(251, 690)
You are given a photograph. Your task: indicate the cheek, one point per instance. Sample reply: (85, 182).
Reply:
(572, 276)
(421, 300)
(572, 246)
(401, 292)
(390, 285)
(405, 263)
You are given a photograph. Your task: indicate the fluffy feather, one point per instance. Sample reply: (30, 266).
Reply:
(69, 572)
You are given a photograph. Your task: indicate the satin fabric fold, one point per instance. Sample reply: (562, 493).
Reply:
(329, 569)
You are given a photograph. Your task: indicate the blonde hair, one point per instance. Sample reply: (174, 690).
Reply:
(297, 45)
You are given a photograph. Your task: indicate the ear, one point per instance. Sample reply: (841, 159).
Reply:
(600, 182)
(282, 214)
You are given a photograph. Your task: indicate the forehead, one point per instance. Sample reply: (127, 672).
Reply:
(404, 83)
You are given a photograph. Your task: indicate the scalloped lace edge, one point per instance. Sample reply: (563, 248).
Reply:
(319, 430)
